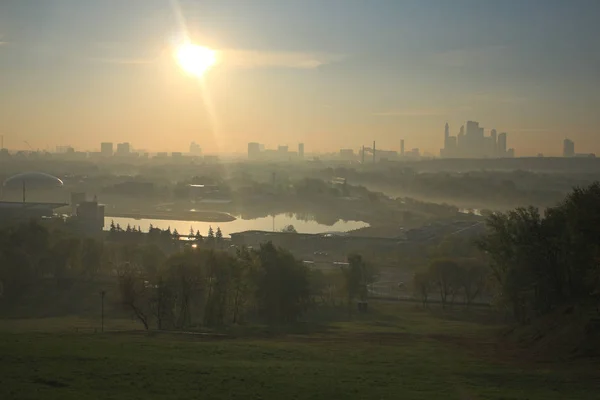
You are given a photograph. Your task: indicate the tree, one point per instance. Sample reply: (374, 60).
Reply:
(323, 288)
(289, 229)
(92, 257)
(211, 235)
(357, 276)
(422, 285)
(241, 282)
(219, 235)
(135, 294)
(185, 274)
(63, 258)
(162, 303)
(281, 285)
(23, 254)
(540, 263)
(473, 275)
(444, 275)
(198, 237)
(150, 258)
(516, 246)
(218, 282)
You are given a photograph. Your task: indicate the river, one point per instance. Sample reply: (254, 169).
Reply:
(276, 223)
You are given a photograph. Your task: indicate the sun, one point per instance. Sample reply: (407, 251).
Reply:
(194, 59)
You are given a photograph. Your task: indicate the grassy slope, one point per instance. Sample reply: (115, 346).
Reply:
(396, 352)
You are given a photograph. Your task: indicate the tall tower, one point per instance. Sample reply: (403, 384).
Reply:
(373, 152)
(494, 148)
(402, 147)
(501, 146)
(301, 150)
(446, 135)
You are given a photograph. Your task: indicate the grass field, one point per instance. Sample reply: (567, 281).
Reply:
(395, 352)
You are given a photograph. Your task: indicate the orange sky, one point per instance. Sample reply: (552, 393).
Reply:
(82, 72)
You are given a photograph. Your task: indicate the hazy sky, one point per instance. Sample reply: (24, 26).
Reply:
(330, 73)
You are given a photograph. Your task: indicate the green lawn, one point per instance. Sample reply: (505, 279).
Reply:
(399, 352)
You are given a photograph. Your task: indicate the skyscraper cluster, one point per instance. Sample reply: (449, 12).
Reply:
(471, 142)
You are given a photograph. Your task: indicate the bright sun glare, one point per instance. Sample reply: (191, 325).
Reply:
(194, 59)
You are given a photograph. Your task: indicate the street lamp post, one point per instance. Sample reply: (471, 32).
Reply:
(102, 294)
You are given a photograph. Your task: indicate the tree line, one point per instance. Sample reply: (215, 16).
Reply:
(185, 287)
(530, 262)
(213, 288)
(543, 261)
(451, 279)
(116, 229)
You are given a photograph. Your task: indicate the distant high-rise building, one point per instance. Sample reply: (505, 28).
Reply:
(450, 144)
(446, 135)
(460, 139)
(301, 150)
(195, 149)
(510, 153)
(472, 128)
(488, 146)
(501, 145)
(106, 149)
(282, 149)
(402, 147)
(123, 148)
(494, 136)
(253, 150)
(568, 148)
(472, 145)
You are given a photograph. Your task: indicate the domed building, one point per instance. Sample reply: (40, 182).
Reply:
(34, 187)
(33, 180)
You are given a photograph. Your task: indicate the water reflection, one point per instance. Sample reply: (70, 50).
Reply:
(303, 223)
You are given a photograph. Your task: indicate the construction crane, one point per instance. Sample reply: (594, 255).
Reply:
(28, 145)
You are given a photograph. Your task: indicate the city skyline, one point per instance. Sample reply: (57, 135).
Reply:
(471, 147)
(472, 142)
(81, 72)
